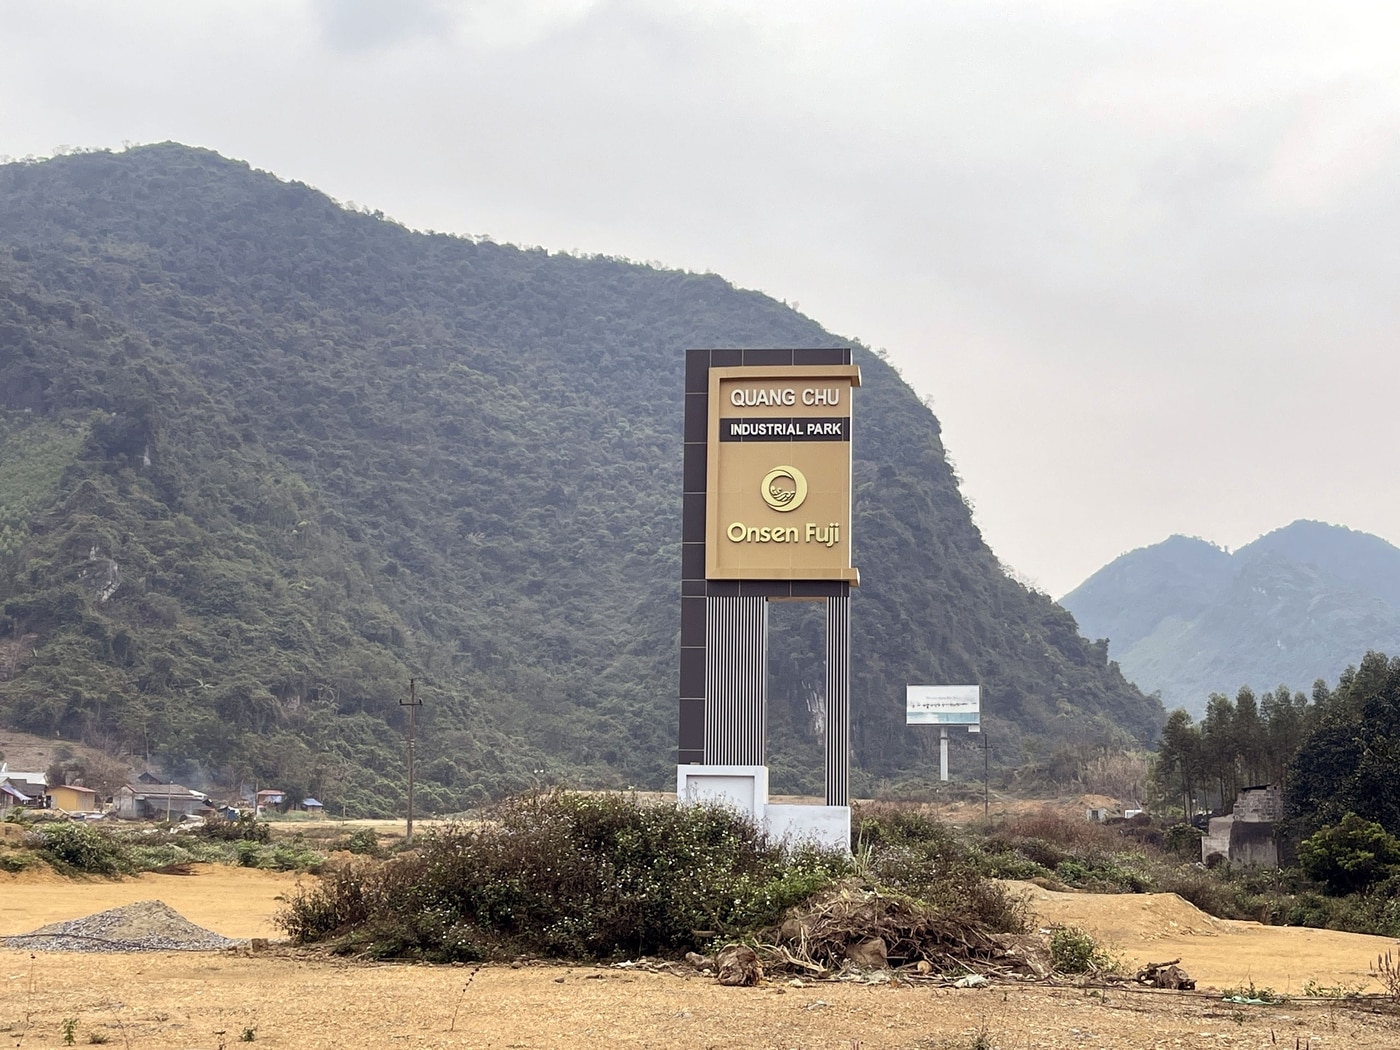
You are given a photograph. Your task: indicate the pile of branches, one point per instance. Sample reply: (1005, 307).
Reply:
(854, 926)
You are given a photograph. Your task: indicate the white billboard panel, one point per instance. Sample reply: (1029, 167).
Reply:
(943, 705)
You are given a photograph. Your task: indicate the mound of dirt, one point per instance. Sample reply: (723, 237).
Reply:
(146, 926)
(1123, 917)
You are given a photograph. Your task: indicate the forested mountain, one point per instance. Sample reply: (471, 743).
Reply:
(263, 458)
(1187, 619)
(1360, 561)
(1128, 599)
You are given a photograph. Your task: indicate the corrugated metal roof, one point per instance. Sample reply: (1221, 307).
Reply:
(162, 791)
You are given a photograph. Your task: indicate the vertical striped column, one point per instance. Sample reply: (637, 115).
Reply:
(736, 679)
(838, 701)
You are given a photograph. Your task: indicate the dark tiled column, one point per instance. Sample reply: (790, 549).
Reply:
(838, 701)
(692, 693)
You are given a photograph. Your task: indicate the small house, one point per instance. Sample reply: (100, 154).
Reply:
(312, 806)
(158, 802)
(73, 799)
(274, 799)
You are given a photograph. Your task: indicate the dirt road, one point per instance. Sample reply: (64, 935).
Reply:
(210, 1000)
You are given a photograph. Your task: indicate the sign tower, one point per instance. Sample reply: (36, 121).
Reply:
(767, 517)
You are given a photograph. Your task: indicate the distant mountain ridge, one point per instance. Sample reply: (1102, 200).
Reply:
(1359, 559)
(1186, 618)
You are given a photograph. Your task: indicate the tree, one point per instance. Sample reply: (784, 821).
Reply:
(1179, 759)
(1350, 856)
(1287, 719)
(1348, 763)
(1248, 736)
(1218, 746)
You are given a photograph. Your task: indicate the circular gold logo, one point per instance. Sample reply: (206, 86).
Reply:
(784, 488)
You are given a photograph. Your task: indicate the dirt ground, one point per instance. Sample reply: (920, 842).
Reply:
(1222, 953)
(286, 999)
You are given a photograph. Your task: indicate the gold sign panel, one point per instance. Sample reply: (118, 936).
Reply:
(778, 498)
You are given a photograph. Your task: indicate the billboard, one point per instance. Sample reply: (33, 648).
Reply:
(778, 490)
(943, 705)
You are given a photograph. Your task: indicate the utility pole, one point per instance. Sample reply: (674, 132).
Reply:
(986, 806)
(412, 703)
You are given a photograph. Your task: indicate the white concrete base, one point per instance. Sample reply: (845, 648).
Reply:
(828, 826)
(745, 788)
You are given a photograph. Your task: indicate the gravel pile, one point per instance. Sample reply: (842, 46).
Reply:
(146, 926)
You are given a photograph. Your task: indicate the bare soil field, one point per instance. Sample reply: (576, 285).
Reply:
(290, 999)
(1222, 953)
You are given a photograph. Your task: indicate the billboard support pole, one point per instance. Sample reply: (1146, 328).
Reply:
(943, 753)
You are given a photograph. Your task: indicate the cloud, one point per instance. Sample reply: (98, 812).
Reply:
(372, 25)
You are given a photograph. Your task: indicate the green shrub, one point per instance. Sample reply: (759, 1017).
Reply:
(1183, 840)
(1375, 912)
(906, 850)
(281, 856)
(15, 862)
(883, 824)
(143, 857)
(77, 847)
(1001, 861)
(1074, 951)
(568, 875)
(1350, 856)
(1228, 893)
(364, 842)
(247, 828)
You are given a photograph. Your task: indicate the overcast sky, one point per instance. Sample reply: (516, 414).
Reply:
(1140, 258)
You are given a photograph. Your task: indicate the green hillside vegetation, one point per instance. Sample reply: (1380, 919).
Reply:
(266, 458)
